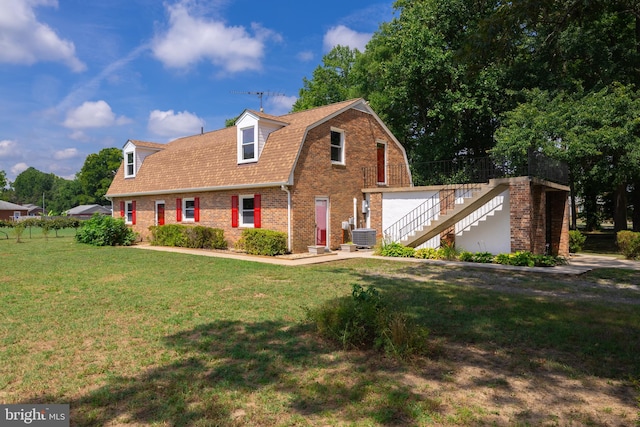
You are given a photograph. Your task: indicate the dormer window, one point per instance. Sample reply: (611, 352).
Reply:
(249, 144)
(130, 164)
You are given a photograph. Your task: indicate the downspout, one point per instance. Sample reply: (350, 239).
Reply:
(285, 189)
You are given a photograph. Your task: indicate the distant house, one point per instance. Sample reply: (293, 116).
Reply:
(87, 211)
(11, 211)
(34, 210)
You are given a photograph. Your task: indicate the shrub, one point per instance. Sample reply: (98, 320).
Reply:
(104, 230)
(629, 243)
(258, 241)
(465, 256)
(483, 257)
(205, 238)
(186, 236)
(426, 253)
(448, 251)
(365, 321)
(576, 241)
(393, 249)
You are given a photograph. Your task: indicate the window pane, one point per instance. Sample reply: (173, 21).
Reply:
(335, 138)
(247, 211)
(248, 151)
(189, 209)
(129, 212)
(247, 135)
(335, 154)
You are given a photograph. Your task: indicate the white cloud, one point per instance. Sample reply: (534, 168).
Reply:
(345, 36)
(190, 39)
(93, 115)
(24, 40)
(18, 168)
(170, 124)
(67, 153)
(8, 148)
(279, 105)
(305, 56)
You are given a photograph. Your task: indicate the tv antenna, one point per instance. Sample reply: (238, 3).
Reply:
(259, 94)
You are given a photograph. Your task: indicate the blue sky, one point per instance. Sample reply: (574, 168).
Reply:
(77, 76)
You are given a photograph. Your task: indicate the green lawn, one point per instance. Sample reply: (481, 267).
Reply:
(155, 338)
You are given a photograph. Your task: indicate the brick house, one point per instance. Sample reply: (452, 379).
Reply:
(300, 173)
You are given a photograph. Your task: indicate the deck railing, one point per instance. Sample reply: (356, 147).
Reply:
(467, 170)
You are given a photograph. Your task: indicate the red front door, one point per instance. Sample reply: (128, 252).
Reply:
(160, 213)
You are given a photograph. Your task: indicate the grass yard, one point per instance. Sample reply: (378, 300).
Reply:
(128, 336)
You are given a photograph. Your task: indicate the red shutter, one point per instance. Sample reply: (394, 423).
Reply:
(257, 211)
(122, 209)
(133, 212)
(234, 211)
(178, 210)
(196, 209)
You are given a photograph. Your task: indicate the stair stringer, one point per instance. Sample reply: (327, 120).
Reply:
(459, 212)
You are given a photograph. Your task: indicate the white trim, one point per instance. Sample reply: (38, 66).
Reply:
(241, 222)
(128, 211)
(241, 144)
(184, 209)
(328, 218)
(126, 154)
(286, 189)
(343, 138)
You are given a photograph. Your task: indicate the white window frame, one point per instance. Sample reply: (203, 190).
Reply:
(131, 165)
(341, 161)
(128, 212)
(241, 144)
(184, 209)
(16, 215)
(241, 221)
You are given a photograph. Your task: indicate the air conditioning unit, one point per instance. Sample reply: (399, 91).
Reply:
(364, 237)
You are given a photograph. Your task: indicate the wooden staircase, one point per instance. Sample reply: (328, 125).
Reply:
(455, 214)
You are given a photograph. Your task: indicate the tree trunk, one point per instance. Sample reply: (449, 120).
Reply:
(620, 207)
(635, 201)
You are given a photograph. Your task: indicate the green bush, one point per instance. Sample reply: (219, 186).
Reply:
(448, 251)
(186, 236)
(258, 241)
(104, 230)
(393, 249)
(205, 238)
(576, 241)
(465, 256)
(629, 244)
(365, 321)
(483, 257)
(426, 253)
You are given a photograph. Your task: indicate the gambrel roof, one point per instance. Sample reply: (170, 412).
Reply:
(208, 161)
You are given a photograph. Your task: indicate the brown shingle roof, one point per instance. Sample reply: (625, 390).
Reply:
(209, 160)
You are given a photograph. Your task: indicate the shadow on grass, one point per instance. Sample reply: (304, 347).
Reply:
(226, 368)
(591, 337)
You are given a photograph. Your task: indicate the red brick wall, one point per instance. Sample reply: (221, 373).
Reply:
(215, 211)
(316, 176)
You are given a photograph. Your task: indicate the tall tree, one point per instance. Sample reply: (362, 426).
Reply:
(415, 74)
(596, 133)
(97, 173)
(331, 82)
(32, 185)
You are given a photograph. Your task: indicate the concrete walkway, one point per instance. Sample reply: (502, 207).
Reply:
(578, 263)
